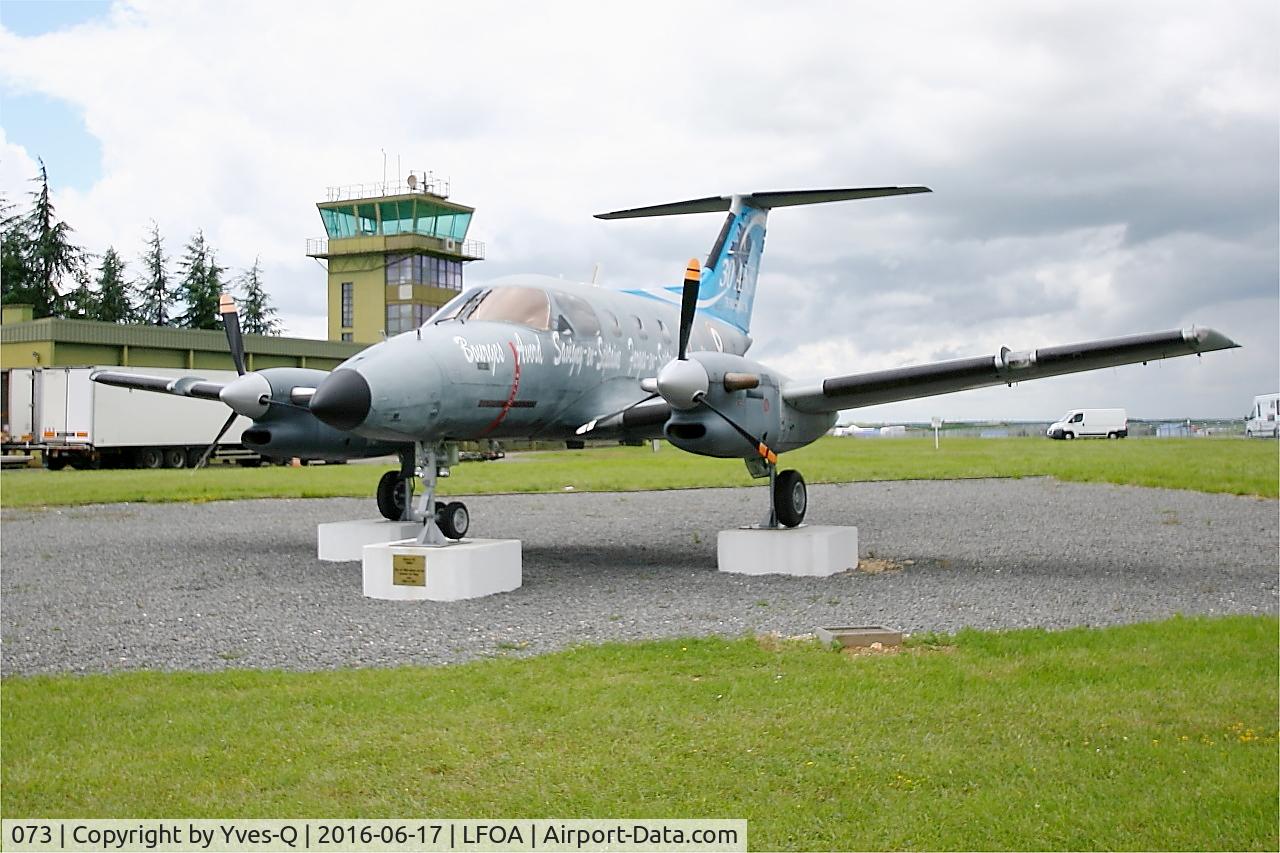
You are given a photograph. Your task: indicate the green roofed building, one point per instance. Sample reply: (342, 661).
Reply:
(395, 255)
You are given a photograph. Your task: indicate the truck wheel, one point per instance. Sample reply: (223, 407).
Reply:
(148, 457)
(175, 457)
(55, 463)
(250, 463)
(87, 463)
(1069, 436)
(790, 498)
(1111, 435)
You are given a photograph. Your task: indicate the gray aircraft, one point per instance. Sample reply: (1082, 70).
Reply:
(540, 358)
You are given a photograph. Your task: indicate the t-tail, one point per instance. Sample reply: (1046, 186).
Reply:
(729, 278)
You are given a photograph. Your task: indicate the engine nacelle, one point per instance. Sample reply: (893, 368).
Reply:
(284, 432)
(759, 410)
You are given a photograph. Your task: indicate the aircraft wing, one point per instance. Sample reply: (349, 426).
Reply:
(183, 386)
(1005, 367)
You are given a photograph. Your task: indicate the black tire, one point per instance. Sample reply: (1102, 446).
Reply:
(391, 497)
(454, 520)
(1069, 436)
(55, 463)
(1111, 435)
(250, 463)
(86, 463)
(148, 457)
(194, 454)
(175, 457)
(790, 498)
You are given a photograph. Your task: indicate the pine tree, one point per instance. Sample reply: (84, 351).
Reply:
(155, 295)
(257, 317)
(113, 291)
(39, 251)
(15, 269)
(81, 303)
(200, 286)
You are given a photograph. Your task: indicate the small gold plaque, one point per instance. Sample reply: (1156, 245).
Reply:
(409, 569)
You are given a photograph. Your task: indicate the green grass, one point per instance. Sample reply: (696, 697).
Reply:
(1154, 736)
(1211, 465)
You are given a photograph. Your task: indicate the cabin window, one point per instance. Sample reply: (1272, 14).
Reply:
(524, 306)
(664, 331)
(611, 320)
(635, 321)
(580, 320)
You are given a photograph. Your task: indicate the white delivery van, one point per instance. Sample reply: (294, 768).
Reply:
(1090, 423)
(1262, 419)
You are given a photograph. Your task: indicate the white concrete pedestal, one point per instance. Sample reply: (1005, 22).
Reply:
(344, 541)
(473, 568)
(802, 551)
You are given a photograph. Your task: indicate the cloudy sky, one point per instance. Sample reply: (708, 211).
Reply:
(1098, 168)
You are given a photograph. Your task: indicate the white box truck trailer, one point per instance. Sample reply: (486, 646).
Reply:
(1090, 423)
(1263, 417)
(74, 421)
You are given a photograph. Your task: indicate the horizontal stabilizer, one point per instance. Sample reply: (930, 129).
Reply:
(761, 201)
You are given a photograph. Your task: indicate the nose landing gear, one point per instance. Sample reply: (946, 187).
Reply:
(441, 522)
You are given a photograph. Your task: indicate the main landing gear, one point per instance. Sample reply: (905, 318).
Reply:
(788, 496)
(441, 522)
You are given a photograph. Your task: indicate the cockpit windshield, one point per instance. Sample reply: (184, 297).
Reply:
(524, 306)
(451, 309)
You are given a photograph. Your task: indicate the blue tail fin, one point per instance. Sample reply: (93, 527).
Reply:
(728, 287)
(729, 277)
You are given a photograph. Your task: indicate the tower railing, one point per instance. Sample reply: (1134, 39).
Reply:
(425, 185)
(469, 249)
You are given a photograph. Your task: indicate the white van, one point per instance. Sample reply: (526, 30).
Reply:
(1261, 420)
(1090, 423)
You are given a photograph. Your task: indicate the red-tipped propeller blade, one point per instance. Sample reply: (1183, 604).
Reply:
(689, 304)
(231, 322)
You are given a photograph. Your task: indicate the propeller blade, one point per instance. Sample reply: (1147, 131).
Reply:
(758, 443)
(688, 304)
(231, 322)
(591, 424)
(209, 450)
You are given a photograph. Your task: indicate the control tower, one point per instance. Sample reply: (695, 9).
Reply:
(395, 254)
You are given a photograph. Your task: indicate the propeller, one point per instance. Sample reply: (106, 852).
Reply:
(208, 451)
(684, 382)
(247, 394)
(231, 322)
(758, 443)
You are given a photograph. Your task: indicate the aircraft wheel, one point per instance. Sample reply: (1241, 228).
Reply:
(790, 498)
(454, 520)
(149, 457)
(175, 457)
(391, 496)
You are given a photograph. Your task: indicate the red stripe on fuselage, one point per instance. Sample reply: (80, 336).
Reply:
(511, 396)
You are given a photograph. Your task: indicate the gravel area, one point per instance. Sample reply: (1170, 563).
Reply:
(237, 584)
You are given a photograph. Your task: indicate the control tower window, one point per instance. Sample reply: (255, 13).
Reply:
(347, 305)
(524, 306)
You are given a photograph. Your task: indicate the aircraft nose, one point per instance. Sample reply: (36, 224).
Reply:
(342, 400)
